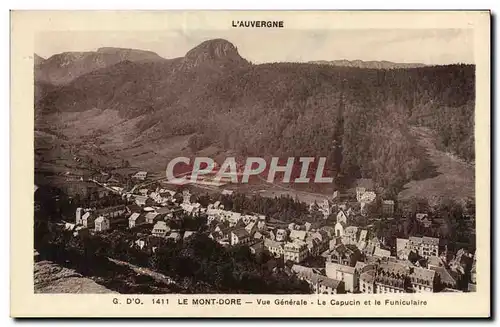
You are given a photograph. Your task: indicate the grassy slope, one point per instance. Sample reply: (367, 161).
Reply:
(452, 177)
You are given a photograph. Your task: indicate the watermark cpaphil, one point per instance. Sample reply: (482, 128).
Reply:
(292, 170)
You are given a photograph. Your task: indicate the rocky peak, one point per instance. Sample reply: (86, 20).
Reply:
(213, 51)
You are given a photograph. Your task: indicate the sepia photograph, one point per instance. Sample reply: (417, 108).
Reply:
(256, 159)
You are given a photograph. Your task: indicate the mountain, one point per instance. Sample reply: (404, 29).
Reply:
(63, 68)
(367, 64)
(216, 51)
(37, 60)
(358, 118)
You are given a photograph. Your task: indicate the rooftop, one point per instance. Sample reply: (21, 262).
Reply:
(240, 232)
(339, 267)
(368, 276)
(134, 216)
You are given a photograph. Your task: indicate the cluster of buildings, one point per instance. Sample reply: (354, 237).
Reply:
(358, 262)
(153, 208)
(355, 259)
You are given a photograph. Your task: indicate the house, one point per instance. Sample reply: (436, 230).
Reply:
(388, 207)
(402, 248)
(191, 209)
(350, 235)
(330, 231)
(339, 228)
(298, 235)
(379, 252)
(78, 215)
(424, 219)
(362, 239)
(258, 236)
(234, 219)
(424, 246)
(322, 236)
(375, 242)
(365, 197)
(359, 266)
(422, 279)
(112, 212)
(319, 284)
(160, 229)
(240, 237)
(368, 249)
(281, 235)
(446, 278)
(343, 273)
(251, 228)
(367, 282)
(88, 219)
(314, 245)
(186, 196)
(273, 247)
(101, 224)
(462, 260)
(140, 175)
(135, 219)
(324, 208)
(359, 193)
(257, 248)
(473, 270)
(188, 234)
(175, 236)
(341, 217)
(391, 277)
(247, 219)
(324, 285)
(334, 242)
(295, 251)
(141, 200)
(151, 217)
(345, 254)
(302, 270)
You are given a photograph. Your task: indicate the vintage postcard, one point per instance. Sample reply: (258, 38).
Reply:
(250, 164)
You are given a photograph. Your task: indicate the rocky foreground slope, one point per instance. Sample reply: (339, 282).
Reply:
(52, 278)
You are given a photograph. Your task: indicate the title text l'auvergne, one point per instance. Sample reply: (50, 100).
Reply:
(258, 23)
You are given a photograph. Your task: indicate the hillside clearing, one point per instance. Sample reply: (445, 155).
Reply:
(455, 178)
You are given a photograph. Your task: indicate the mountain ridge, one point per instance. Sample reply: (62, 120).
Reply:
(374, 64)
(216, 97)
(63, 68)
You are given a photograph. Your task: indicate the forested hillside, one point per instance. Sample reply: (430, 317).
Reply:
(358, 118)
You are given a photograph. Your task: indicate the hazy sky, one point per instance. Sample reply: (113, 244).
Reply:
(428, 46)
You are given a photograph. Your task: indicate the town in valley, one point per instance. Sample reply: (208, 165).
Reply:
(392, 209)
(353, 241)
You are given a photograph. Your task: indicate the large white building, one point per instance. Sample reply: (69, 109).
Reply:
(295, 251)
